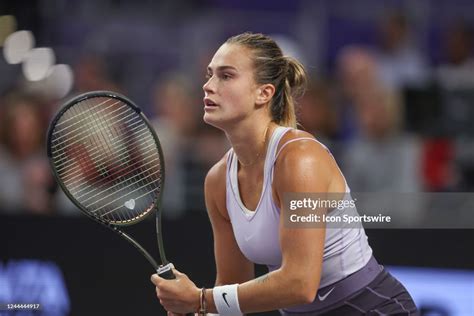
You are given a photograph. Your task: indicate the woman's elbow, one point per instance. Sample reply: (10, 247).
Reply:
(305, 291)
(307, 296)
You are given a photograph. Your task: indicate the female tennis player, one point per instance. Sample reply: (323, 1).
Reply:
(249, 95)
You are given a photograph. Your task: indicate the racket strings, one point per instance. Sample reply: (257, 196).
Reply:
(94, 153)
(116, 191)
(80, 121)
(128, 184)
(77, 171)
(74, 169)
(86, 137)
(88, 146)
(109, 182)
(136, 179)
(68, 118)
(107, 159)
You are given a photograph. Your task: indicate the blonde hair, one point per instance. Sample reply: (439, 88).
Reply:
(285, 73)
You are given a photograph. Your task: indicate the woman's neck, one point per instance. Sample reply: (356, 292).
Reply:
(250, 141)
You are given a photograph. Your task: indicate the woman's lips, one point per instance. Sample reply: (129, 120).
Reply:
(208, 103)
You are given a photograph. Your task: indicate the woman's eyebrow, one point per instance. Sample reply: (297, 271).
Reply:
(221, 68)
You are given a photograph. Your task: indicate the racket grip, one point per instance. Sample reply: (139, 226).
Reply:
(166, 271)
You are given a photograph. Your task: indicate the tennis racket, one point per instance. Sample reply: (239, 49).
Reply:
(108, 161)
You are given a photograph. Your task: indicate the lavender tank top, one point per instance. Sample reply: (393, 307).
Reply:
(346, 250)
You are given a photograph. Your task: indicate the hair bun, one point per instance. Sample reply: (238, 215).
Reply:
(296, 76)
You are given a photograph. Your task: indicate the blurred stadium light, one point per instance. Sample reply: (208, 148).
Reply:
(17, 45)
(37, 63)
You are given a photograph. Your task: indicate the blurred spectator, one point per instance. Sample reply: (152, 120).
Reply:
(317, 113)
(358, 70)
(456, 72)
(382, 159)
(26, 182)
(449, 162)
(401, 64)
(91, 74)
(357, 73)
(206, 148)
(175, 122)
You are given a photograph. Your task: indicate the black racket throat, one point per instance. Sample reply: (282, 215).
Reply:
(108, 160)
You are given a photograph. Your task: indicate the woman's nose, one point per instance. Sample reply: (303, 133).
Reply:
(208, 87)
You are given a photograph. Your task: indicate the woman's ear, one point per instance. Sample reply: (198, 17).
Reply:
(265, 93)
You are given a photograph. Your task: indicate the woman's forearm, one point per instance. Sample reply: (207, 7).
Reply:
(271, 291)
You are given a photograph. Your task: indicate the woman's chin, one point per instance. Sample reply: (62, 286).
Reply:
(211, 120)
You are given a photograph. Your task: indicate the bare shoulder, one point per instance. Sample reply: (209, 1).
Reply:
(215, 187)
(306, 165)
(216, 175)
(307, 148)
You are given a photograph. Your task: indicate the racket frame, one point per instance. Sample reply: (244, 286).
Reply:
(165, 268)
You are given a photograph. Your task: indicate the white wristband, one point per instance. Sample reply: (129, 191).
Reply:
(226, 300)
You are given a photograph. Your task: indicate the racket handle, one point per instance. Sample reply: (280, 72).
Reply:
(166, 271)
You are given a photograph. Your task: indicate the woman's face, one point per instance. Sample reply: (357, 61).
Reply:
(230, 91)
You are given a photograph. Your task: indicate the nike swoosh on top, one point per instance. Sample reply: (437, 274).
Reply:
(248, 238)
(323, 297)
(225, 300)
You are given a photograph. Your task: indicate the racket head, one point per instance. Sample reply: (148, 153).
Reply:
(107, 158)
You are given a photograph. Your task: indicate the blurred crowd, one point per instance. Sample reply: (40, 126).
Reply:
(395, 120)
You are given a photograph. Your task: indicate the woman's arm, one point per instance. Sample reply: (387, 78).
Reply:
(232, 266)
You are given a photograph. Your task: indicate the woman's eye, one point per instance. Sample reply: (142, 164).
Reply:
(208, 76)
(226, 76)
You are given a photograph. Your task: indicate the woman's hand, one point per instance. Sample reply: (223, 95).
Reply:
(178, 296)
